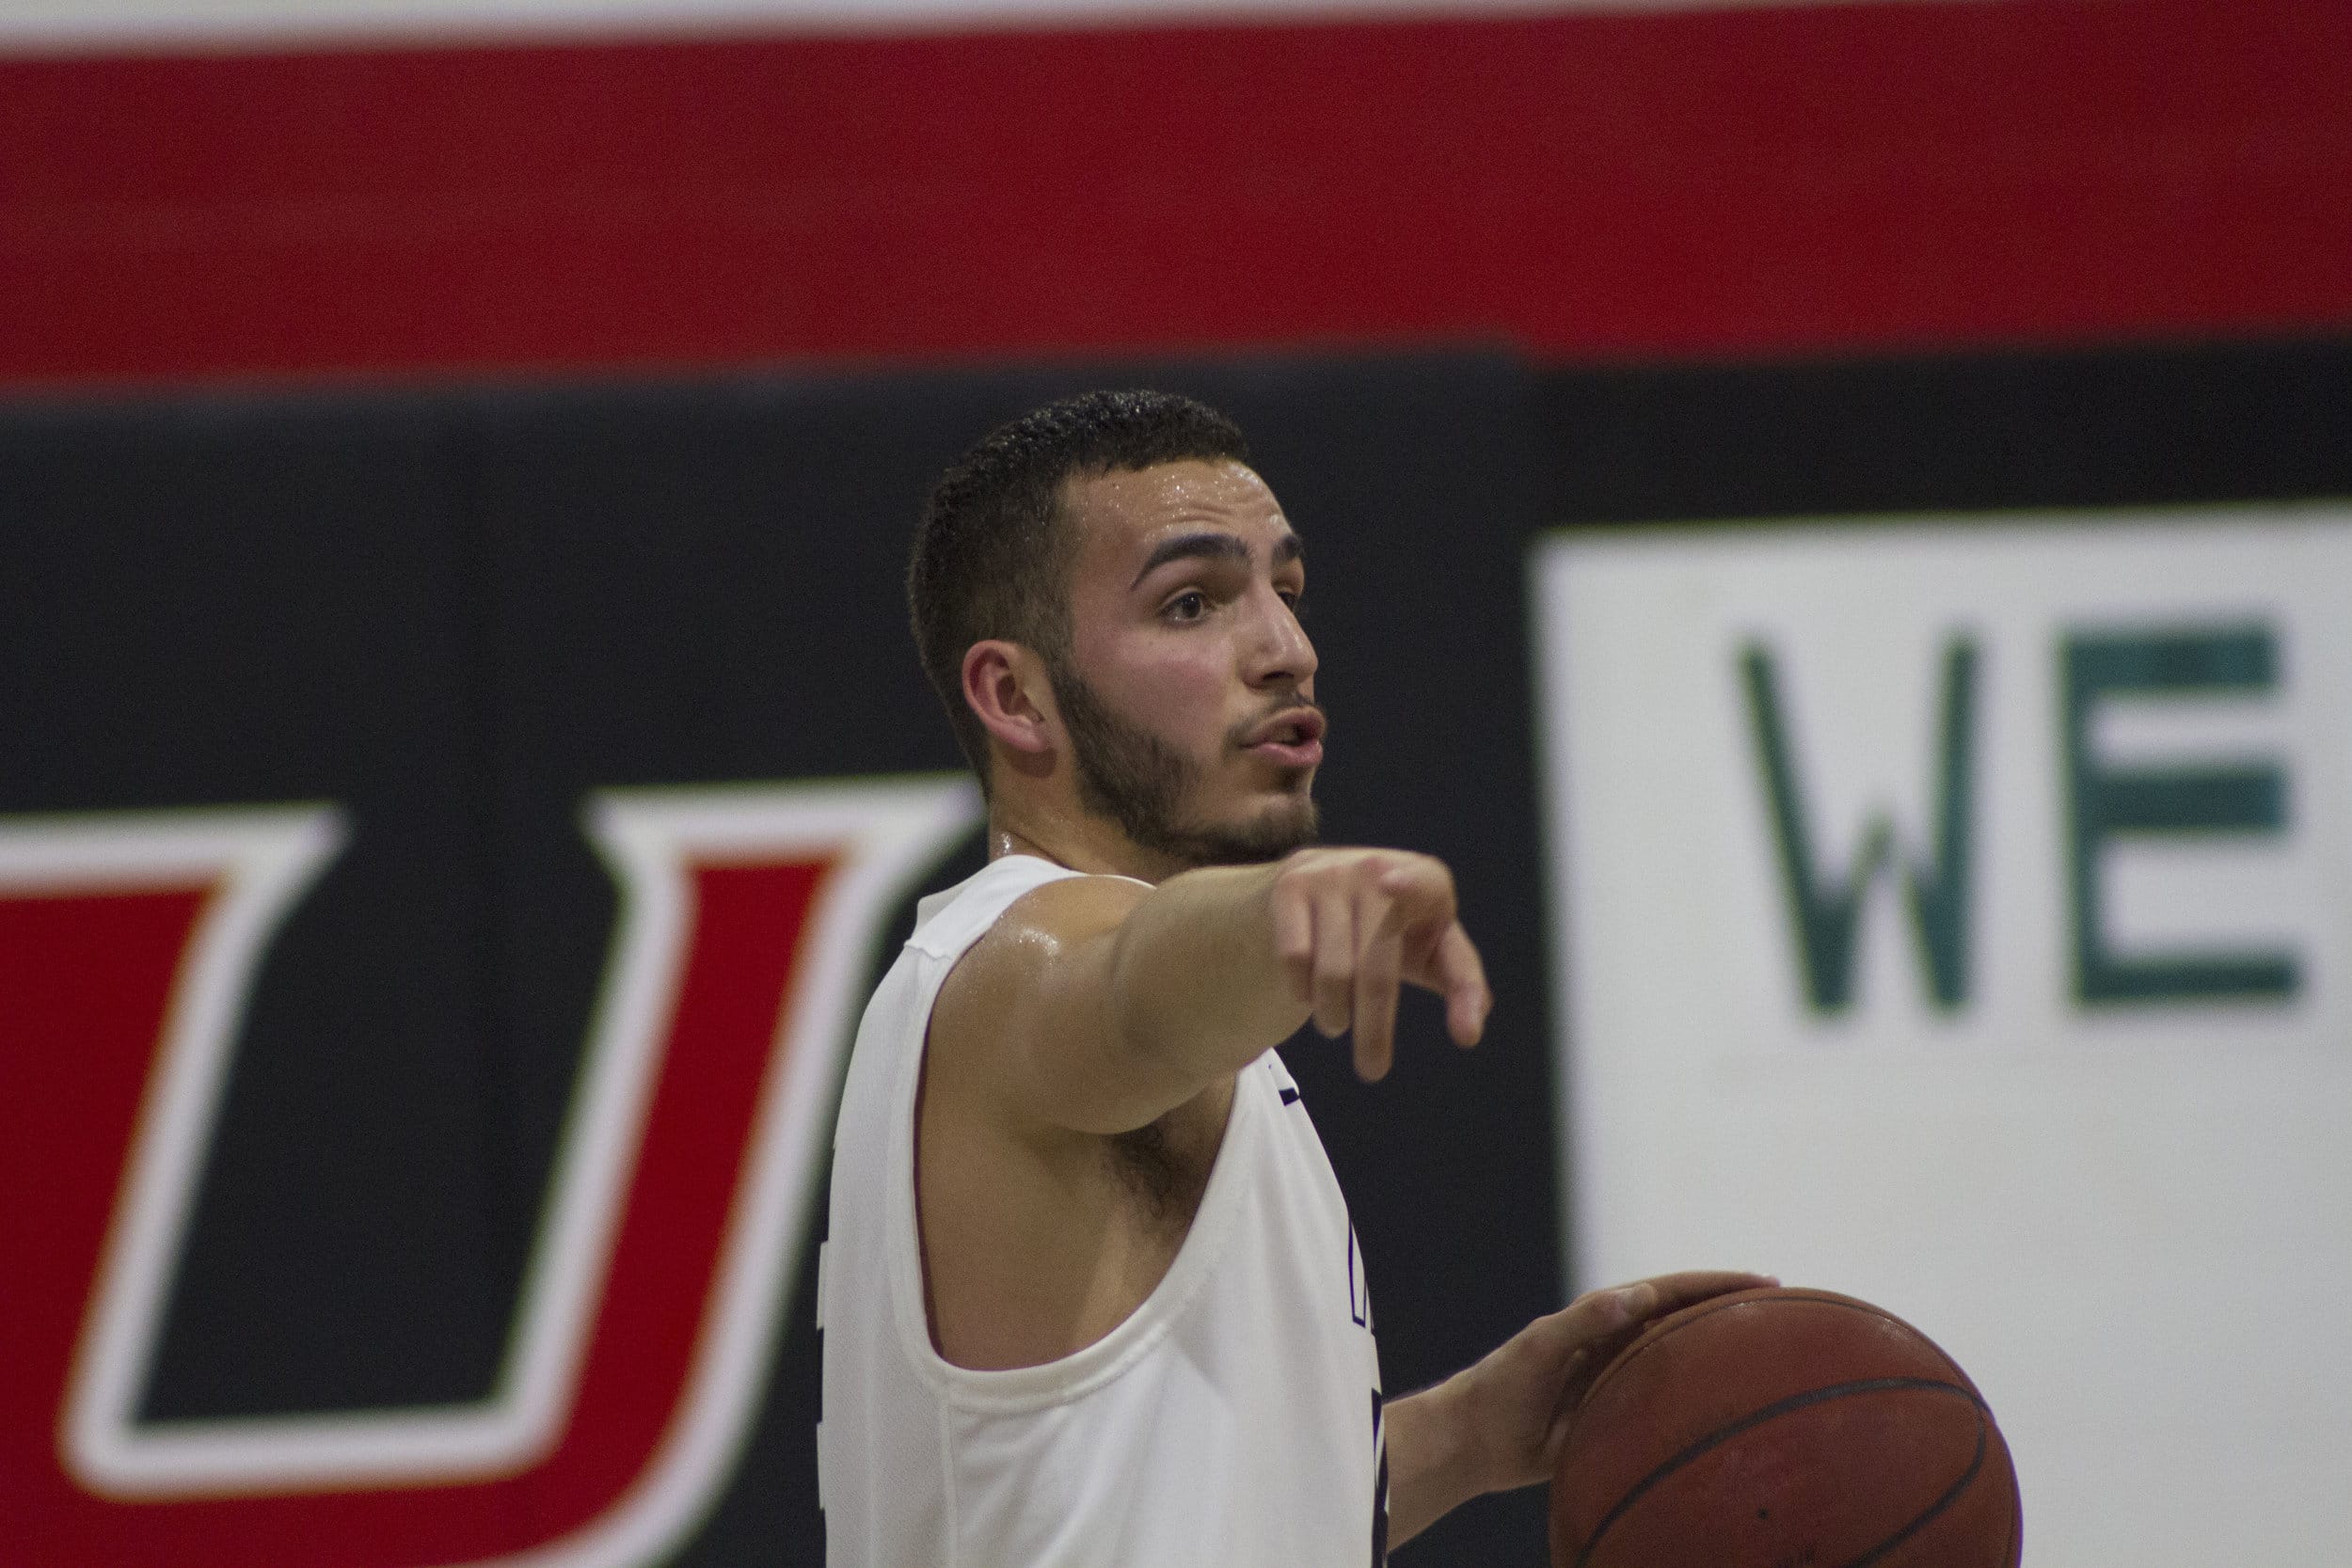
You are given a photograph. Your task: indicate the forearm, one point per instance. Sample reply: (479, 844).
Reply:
(1126, 1002)
(1500, 1424)
(1433, 1464)
(1196, 981)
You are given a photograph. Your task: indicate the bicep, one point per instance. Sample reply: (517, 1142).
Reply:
(1027, 1026)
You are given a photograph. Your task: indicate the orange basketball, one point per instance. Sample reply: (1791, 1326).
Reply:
(1784, 1427)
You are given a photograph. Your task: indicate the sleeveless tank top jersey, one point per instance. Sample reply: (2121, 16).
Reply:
(1231, 1421)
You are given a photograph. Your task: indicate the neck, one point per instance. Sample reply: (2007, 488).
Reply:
(1065, 834)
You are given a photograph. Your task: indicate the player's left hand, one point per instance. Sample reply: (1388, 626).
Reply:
(1517, 1404)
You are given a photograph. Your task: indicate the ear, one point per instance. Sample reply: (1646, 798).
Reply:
(1006, 684)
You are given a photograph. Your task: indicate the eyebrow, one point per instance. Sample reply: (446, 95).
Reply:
(1215, 546)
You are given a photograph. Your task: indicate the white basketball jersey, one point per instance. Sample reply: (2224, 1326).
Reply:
(1231, 1421)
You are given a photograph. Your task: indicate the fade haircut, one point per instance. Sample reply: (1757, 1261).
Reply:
(992, 552)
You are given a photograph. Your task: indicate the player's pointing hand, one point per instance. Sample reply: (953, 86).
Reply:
(1352, 926)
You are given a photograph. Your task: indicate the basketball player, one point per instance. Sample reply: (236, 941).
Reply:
(1091, 1296)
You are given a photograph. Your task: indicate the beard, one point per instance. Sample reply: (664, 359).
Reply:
(1138, 780)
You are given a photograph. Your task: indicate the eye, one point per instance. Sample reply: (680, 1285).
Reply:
(1295, 598)
(1190, 604)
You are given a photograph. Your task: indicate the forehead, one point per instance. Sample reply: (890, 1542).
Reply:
(1121, 516)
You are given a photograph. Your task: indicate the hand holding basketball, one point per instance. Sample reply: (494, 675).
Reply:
(1784, 1426)
(1517, 1402)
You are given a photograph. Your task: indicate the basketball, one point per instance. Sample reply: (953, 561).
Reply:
(1784, 1429)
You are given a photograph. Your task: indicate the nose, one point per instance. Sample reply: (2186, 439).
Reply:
(1281, 653)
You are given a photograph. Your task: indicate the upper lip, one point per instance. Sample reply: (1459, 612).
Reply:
(1295, 726)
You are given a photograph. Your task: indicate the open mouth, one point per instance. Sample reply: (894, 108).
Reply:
(1292, 740)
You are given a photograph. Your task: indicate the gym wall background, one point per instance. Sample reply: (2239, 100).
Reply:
(422, 443)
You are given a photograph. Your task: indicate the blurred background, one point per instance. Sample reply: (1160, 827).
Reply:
(1835, 519)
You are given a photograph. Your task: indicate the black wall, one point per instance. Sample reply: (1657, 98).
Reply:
(455, 613)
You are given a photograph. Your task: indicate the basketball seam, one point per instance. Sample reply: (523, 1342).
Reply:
(1773, 1412)
(1950, 1495)
(1693, 1314)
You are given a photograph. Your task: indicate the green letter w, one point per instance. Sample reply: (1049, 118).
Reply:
(1824, 908)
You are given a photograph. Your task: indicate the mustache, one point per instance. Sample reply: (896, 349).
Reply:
(1292, 702)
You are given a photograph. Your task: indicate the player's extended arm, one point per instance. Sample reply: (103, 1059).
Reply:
(1501, 1423)
(1106, 1004)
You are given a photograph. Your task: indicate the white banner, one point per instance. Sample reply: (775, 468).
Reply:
(1959, 914)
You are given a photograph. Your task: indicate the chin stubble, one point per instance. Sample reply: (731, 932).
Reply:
(1138, 780)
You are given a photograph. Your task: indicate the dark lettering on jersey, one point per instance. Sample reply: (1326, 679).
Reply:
(1359, 1290)
(1379, 1485)
(1290, 1095)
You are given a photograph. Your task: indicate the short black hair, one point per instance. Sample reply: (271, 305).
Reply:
(990, 554)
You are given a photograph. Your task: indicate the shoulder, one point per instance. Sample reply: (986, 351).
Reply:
(1037, 973)
(1046, 927)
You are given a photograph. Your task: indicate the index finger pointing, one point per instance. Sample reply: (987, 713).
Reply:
(1462, 979)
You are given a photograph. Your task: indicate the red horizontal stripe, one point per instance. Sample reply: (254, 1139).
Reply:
(1690, 183)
